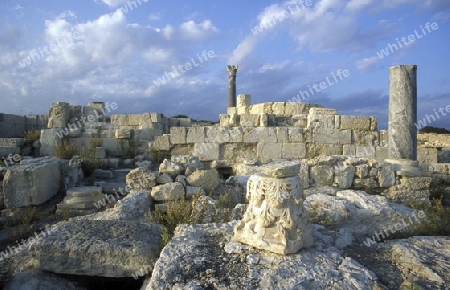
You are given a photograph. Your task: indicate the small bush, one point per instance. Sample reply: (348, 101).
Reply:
(436, 130)
(65, 150)
(90, 162)
(437, 218)
(32, 135)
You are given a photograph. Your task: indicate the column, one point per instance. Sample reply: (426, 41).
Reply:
(232, 70)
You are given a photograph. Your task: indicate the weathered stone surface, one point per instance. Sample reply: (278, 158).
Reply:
(162, 142)
(294, 151)
(355, 122)
(208, 246)
(296, 135)
(178, 135)
(40, 280)
(243, 100)
(168, 191)
(81, 200)
(171, 168)
(322, 175)
(122, 134)
(107, 248)
(321, 121)
(190, 163)
(193, 190)
(275, 219)
(164, 178)
(386, 176)
(195, 135)
(32, 183)
(141, 179)
(267, 135)
(59, 115)
(427, 155)
(282, 169)
(49, 139)
(269, 151)
(206, 151)
(343, 175)
(208, 179)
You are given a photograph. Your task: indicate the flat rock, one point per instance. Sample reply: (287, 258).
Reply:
(107, 248)
(40, 280)
(283, 169)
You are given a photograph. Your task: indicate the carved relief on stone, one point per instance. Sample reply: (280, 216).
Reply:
(275, 219)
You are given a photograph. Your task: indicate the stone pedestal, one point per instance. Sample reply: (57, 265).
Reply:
(403, 112)
(81, 201)
(232, 70)
(276, 219)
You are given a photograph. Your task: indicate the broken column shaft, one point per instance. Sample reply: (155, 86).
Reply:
(403, 112)
(232, 70)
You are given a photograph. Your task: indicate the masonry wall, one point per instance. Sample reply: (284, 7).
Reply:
(12, 126)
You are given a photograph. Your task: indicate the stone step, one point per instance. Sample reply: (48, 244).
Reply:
(88, 205)
(120, 174)
(87, 199)
(83, 191)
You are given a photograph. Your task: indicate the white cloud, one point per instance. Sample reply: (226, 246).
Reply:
(154, 16)
(197, 32)
(112, 3)
(367, 63)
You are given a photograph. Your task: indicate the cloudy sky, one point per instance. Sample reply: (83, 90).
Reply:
(170, 56)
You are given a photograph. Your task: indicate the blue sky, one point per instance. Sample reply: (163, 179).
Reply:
(131, 52)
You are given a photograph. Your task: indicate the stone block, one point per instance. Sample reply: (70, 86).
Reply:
(178, 135)
(6, 150)
(427, 155)
(269, 151)
(249, 120)
(278, 108)
(115, 147)
(236, 135)
(141, 179)
(362, 171)
(386, 176)
(123, 134)
(315, 149)
(59, 115)
(119, 120)
(217, 134)
(355, 123)
(148, 134)
(243, 100)
(168, 191)
(293, 151)
(31, 183)
(172, 168)
(232, 111)
(196, 135)
(321, 175)
(185, 149)
(381, 153)
(366, 151)
(282, 169)
(267, 120)
(49, 139)
(208, 179)
(322, 111)
(373, 123)
(365, 183)
(156, 117)
(206, 151)
(365, 138)
(296, 135)
(260, 134)
(162, 142)
(13, 142)
(282, 134)
(349, 149)
(296, 108)
(191, 191)
(343, 176)
(229, 120)
(331, 136)
(321, 121)
(243, 110)
(257, 109)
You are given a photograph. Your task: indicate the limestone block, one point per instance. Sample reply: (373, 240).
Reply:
(427, 155)
(178, 135)
(31, 183)
(119, 120)
(322, 175)
(304, 174)
(195, 135)
(373, 123)
(59, 115)
(295, 108)
(349, 149)
(343, 176)
(123, 134)
(249, 120)
(257, 109)
(267, 120)
(229, 151)
(300, 120)
(156, 117)
(286, 230)
(148, 134)
(355, 123)
(296, 135)
(191, 191)
(172, 168)
(49, 139)
(386, 176)
(208, 179)
(282, 134)
(6, 150)
(13, 142)
(362, 171)
(141, 179)
(381, 153)
(278, 108)
(322, 111)
(416, 183)
(321, 121)
(365, 138)
(236, 135)
(82, 200)
(218, 134)
(293, 151)
(115, 147)
(332, 136)
(168, 191)
(269, 151)
(206, 151)
(281, 169)
(162, 142)
(229, 120)
(260, 134)
(243, 110)
(316, 149)
(364, 183)
(187, 149)
(232, 111)
(366, 151)
(243, 100)
(94, 112)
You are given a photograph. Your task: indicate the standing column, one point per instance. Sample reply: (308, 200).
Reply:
(232, 70)
(403, 112)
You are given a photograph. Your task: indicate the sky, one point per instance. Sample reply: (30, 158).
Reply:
(171, 57)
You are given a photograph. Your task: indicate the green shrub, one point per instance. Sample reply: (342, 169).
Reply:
(437, 218)
(32, 135)
(90, 162)
(65, 150)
